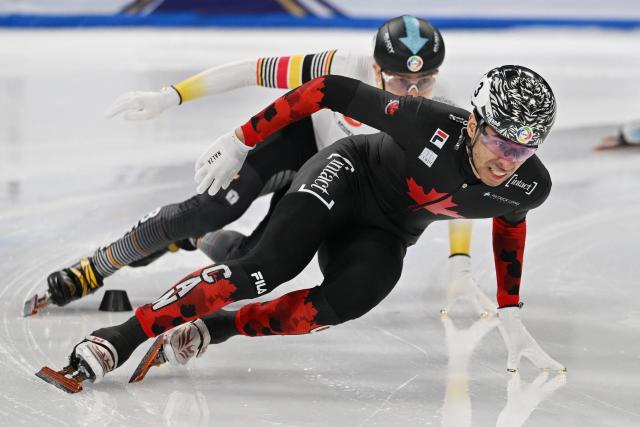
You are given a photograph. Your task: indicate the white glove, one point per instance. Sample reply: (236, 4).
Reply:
(522, 400)
(462, 287)
(220, 163)
(520, 343)
(144, 105)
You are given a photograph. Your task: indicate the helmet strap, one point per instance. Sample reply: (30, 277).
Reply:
(471, 141)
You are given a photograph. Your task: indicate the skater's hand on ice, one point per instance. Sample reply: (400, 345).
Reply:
(523, 399)
(462, 287)
(144, 105)
(220, 163)
(520, 343)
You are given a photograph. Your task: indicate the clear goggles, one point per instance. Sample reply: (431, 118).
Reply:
(422, 85)
(507, 150)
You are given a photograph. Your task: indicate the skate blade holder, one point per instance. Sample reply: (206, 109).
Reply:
(33, 304)
(153, 357)
(64, 379)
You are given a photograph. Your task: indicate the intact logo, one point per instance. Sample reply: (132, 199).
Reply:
(514, 181)
(392, 108)
(187, 285)
(260, 283)
(439, 138)
(428, 157)
(321, 184)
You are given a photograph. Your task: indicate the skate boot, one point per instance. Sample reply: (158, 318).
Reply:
(173, 247)
(66, 285)
(178, 347)
(73, 283)
(222, 245)
(91, 360)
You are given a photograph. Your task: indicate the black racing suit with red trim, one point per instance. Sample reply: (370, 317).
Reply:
(359, 203)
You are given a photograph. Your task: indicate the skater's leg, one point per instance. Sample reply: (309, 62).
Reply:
(354, 283)
(267, 168)
(300, 223)
(222, 245)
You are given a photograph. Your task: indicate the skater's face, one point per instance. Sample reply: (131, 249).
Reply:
(493, 165)
(403, 84)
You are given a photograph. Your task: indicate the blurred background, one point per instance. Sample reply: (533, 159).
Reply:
(71, 180)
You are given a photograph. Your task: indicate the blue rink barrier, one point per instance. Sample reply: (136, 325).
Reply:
(287, 21)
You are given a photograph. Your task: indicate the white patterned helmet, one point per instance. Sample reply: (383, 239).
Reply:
(517, 103)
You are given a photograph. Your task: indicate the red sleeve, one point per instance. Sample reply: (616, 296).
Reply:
(508, 252)
(293, 106)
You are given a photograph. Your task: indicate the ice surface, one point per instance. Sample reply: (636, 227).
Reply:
(71, 180)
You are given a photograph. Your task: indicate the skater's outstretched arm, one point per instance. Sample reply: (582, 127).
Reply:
(404, 118)
(284, 72)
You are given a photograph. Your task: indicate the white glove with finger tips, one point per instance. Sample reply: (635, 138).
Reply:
(520, 343)
(220, 163)
(462, 286)
(144, 105)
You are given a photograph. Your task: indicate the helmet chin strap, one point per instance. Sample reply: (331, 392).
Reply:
(469, 147)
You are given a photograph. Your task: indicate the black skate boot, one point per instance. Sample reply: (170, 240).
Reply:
(185, 245)
(66, 285)
(73, 283)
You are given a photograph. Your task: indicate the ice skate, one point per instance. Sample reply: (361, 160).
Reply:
(185, 244)
(66, 285)
(627, 138)
(90, 360)
(178, 347)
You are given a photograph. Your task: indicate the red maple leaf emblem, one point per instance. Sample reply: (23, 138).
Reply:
(416, 192)
(392, 107)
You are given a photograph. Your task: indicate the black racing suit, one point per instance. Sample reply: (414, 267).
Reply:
(360, 203)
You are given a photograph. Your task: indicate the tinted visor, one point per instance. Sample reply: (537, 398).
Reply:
(507, 150)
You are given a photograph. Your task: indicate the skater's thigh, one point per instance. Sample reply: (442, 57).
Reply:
(281, 155)
(361, 266)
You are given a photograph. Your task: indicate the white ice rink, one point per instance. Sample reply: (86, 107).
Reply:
(71, 180)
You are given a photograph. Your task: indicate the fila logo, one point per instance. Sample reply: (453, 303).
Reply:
(260, 283)
(439, 138)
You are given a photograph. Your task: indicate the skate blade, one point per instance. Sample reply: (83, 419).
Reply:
(33, 304)
(61, 380)
(613, 143)
(154, 357)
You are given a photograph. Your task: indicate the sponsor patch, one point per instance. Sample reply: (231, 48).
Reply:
(232, 197)
(392, 108)
(514, 181)
(415, 63)
(260, 283)
(439, 138)
(428, 157)
(501, 199)
(322, 183)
